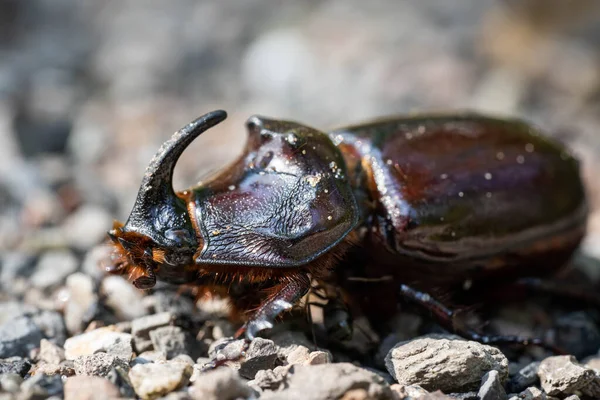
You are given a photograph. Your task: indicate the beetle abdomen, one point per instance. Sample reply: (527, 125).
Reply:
(470, 190)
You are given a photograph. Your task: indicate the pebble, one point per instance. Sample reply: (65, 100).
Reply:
(53, 268)
(409, 392)
(227, 348)
(65, 368)
(261, 354)
(52, 325)
(220, 384)
(123, 298)
(562, 375)
(525, 377)
(99, 364)
(15, 365)
(141, 327)
(81, 298)
(10, 382)
(329, 381)
(157, 379)
(18, 337)
(164, 301)
(171, 340)
(50, 353)
(269, 379)
(90, 388)
(103, 339)
(95, 261)
(532, 393)
(42, 386)
(491, 387)
(444, 362)
(87, 226)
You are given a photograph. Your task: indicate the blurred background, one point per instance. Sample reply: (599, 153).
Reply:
(90, 89)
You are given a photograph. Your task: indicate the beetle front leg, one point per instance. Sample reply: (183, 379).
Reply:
(446, 318)
(284, 297)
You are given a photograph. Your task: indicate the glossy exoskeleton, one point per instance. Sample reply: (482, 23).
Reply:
(411, 203)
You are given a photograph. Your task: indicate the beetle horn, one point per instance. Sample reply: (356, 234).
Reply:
(156, 194)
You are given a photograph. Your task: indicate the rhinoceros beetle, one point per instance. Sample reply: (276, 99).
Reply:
(405, 203)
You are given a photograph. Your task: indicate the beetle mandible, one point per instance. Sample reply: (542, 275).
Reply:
(426, 200)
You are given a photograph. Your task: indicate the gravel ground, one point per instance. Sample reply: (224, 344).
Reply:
(90, 89)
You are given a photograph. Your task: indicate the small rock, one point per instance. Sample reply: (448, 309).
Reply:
(329, 381)
(13, 309)
(80, 288)
(52, 325)
(228, 348)
(464, 396)
(66, 368)
(572, 397)
(99, 364)
(53, 268)
(123, 298)
(184, 358)
(120, 378)
(171, 303)
(562, 375)
(411, 392)
(157, 379)
(527, 376)
(220, 384)
(10, 382)
(171, 340)
(261, 354)
(42, 386)
(288, 341)
(50, 353)
(15, 365)
(299, 355)
(319, 357)
(86, 227)
(151, 356)
(269, 379)
(491, 387)
(444, 362)
(141, 327)
(18, 337)
(90, 388)
(95, 261)
(100, 340)
(531, 393)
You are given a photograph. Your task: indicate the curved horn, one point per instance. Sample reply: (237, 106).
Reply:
(156, 189)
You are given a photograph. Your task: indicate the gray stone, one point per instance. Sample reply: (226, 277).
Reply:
(80, 288)
(220, 384)
(95, 261)
(157, 379)
(65, 368)
(50, 353)
(90, 388)
(86, 227)
(42, 386)
(15, 365)
(18, 337)
(288, 341)
(170, 302)
(491, 387)
(228, 348)
(572, 397)
(443, 362)
(411, 392)
(104, 339)
(52, 325)
(525, 377)
(12, 309)
(531, 393)
(269, 379)
(330, 381)
(123, 298)
(10, 382)
(562, 375)
(171, 340)
(99, 364)
(261, 354)
(53, 268)
(141, 327)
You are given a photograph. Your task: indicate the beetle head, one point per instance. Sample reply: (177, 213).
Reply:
(159, 234)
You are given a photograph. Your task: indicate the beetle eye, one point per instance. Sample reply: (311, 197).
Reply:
(148, 253)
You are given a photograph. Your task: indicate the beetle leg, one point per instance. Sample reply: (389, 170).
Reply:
(446, 318)
(283, 299)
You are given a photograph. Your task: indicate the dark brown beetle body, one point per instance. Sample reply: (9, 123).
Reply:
(431, 201)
